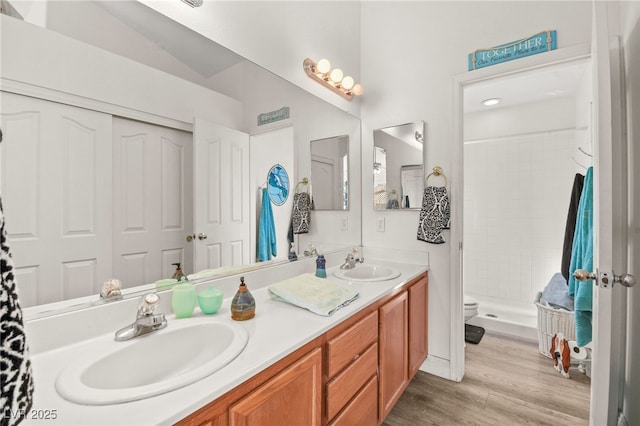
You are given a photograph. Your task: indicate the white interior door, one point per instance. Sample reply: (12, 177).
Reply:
(323, 170)
(56, 191)
(152, 201)
(221, 196)
(610, 221)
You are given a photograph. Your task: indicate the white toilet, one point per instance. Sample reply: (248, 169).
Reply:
(470, 308)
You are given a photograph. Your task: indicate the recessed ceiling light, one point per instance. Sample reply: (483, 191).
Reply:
(491, 101)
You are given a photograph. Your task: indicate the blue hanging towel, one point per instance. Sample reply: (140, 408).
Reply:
(266, 230)
(582, 258)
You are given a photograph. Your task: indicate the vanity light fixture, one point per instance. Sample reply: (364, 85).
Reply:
(334, 80)
(491, 101)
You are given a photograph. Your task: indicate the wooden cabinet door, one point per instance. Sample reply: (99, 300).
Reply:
(393, 344)
(293, 397)
(418, 331)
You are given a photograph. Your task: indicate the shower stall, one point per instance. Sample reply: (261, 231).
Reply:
(520, 159)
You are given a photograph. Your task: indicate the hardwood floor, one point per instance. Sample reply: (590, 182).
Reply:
(506, 382)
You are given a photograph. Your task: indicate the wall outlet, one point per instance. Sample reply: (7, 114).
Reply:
(344, 224)
(380, 224)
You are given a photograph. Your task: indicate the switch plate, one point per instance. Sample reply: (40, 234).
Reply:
(344, 224)
(380, 224)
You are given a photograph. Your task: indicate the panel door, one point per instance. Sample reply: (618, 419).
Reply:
(56, 190)
(152, 200)
(221, 196)
(611, 180)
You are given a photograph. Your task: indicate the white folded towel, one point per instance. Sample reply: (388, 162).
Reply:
(318, 295)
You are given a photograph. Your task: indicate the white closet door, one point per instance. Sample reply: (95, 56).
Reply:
(56, 191)
(152, 201)
(221, 196)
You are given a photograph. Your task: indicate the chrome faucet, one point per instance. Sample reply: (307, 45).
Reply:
(311, 250)
(146, 319)
(351, 260)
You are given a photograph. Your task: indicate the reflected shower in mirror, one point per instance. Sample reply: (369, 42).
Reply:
(398, 166)
(330, 173)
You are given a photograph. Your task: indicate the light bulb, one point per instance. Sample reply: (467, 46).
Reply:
(323, 66)
(347, 82)
(357, 89)
(336, 75)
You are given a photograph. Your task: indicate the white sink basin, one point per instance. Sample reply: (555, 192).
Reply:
(184, 352)
(367, 272)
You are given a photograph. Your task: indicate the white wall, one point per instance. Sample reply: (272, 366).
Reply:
(516, 197)
(410, 51)
(630, 16)
(77, 68)
(280, 35)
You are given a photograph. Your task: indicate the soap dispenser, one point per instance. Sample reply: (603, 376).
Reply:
(243, 305)
(178, 274)
(321, 263)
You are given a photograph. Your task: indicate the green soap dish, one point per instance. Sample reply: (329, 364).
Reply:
(210, 300)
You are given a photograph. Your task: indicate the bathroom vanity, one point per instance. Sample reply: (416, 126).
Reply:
(353, 374)
(297, 367)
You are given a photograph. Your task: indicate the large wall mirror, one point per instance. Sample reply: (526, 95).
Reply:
(398, 166)
(330, 173)
(165, 48)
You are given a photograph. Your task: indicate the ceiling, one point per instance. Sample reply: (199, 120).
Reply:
(189, 47)
(526, 87)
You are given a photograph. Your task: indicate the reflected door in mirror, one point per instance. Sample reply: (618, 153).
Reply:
(330, 173)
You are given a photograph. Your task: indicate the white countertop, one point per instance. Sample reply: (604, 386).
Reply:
(277, 330)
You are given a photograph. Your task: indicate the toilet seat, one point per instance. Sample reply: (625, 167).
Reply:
(470, 308)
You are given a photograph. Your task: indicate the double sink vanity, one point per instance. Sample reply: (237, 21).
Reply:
(285, 366)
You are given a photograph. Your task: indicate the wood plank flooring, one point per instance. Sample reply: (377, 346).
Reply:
(506, 382)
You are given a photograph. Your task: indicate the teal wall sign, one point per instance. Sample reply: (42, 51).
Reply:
(541, 42)
(270, 117)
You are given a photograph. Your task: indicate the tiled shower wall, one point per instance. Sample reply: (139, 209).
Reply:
(516, 198)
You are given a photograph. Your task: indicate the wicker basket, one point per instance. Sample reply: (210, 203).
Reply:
(550, 322)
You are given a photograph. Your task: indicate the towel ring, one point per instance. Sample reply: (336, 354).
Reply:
(304, 181)
(436, 171)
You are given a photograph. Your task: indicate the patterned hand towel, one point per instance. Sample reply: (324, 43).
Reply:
(16, 380)
(434, 215)
(301, 215)
(318, 295)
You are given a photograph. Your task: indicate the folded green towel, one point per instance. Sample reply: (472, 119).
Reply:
(318, 295)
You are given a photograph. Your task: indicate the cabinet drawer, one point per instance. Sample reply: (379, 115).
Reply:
(346, 384)
(363, 410)
(344, 348)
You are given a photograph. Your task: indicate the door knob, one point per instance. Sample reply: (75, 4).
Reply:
(606, 279)
(190, 237)
(202, 236)
(582, 275)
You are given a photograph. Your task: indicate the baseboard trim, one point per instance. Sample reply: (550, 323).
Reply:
(437, 366)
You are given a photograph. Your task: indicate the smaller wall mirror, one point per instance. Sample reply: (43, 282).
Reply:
(330, 173)
(398, 166)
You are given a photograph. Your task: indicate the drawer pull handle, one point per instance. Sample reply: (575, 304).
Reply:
(356, 357)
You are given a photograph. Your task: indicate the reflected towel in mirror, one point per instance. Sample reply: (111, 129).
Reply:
(434, 215)
(301, 214)
(266, 230)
